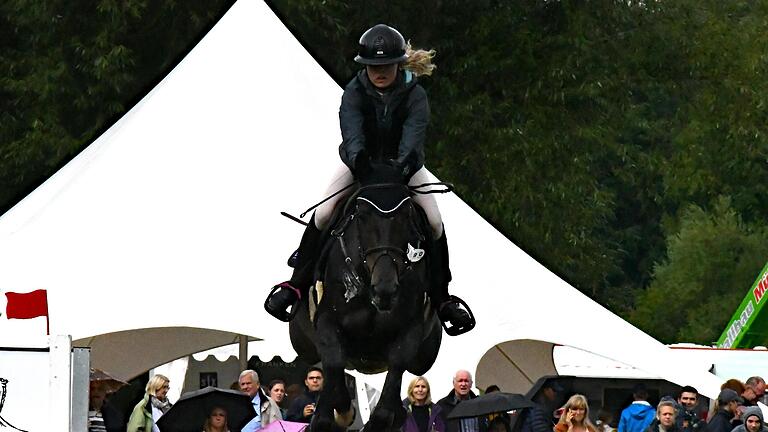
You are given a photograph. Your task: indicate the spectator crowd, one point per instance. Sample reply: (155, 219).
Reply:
(734, 410)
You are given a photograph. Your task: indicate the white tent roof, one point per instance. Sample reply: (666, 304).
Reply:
(171, 219)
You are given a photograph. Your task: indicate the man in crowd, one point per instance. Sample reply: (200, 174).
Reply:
(755, 389)
(728, 401)
(266, 409)
(539, 418)
(639, 414)
(462, 390)
(303, 407)
(688, 419)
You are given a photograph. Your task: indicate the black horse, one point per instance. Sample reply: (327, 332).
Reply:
(371, 312)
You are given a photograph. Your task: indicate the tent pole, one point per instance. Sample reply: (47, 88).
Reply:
(243, 352)
(512, 362)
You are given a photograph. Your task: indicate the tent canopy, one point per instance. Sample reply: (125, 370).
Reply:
(171, 220)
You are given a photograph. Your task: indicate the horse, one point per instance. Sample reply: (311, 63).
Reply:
(371, 312)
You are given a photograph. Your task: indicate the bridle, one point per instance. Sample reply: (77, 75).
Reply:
(394, 253)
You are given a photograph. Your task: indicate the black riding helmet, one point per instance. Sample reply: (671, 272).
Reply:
(381, 45)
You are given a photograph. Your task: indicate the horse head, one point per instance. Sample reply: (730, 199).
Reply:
(383, 236)
(384, 226)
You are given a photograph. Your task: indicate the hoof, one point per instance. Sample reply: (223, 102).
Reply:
(324, 424)
(345, 419)
(381, 421)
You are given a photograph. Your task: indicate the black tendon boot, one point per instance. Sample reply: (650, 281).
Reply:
(449, 308)
(288, 294)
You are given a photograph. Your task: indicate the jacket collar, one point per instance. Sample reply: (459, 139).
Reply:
(453, 400)
(262, 396)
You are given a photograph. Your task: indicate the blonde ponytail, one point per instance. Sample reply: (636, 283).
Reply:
(419, 62)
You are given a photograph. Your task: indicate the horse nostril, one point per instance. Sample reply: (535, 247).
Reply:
(384, 294)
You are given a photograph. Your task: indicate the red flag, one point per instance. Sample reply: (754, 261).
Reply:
(27, 305)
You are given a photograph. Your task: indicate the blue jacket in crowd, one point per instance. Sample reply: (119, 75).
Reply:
(636, 417)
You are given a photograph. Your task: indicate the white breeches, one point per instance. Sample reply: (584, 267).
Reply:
(342, 177)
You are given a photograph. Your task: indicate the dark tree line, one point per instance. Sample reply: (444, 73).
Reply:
(623, 144)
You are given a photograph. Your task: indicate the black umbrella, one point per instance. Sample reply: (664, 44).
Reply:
(192, 409)
(490, 403)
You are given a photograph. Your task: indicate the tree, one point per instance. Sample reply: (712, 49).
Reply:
(582, 129)
(67, 70)
(711, 264)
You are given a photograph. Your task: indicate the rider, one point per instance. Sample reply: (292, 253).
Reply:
(383, 117)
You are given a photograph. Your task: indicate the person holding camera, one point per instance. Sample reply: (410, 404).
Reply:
(303, 407)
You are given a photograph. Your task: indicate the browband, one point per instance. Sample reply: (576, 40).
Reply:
(384, 211)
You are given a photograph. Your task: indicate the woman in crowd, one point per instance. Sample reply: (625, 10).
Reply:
(216, 421)
(277, 393)
(149, 410)
(423, 415)
(575, 416)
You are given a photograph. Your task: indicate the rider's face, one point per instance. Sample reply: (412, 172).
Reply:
(382, 76)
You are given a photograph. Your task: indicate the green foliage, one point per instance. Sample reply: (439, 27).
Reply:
(711, 263)
(67, 69)
(599, 135)
(581, 128)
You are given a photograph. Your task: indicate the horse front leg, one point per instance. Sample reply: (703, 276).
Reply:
(334, 396)
(389, 414)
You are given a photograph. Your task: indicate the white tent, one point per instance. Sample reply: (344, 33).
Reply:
(170, 220)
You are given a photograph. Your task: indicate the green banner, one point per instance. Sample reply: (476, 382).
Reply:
(746, 328)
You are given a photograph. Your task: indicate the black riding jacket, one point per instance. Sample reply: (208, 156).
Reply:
(391, 125)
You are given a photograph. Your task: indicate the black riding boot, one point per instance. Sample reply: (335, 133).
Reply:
(288, 294)
(449, 308)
